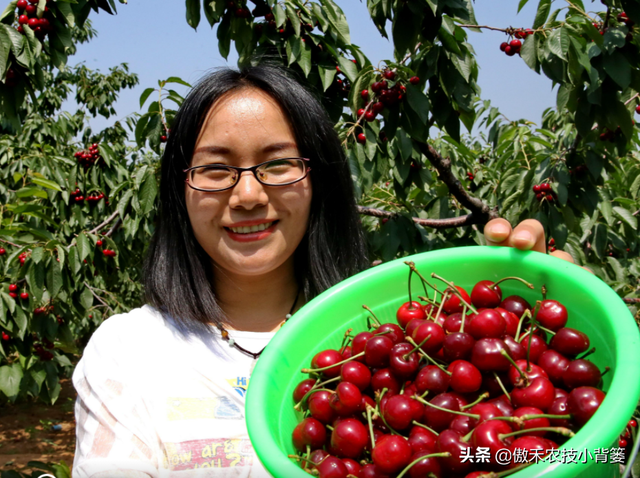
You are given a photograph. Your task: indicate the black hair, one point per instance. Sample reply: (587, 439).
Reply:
(178, 273)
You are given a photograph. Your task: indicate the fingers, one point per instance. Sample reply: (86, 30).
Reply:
(562, 255)
(529, 236)
(497, 231)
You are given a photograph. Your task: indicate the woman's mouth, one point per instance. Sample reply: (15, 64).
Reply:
(255, 232)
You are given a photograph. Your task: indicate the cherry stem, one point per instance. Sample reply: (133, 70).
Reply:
(424, 354)
(560, 430)
(546, 330)
(350, 359)
(417, 460)
(506, 355)
(530, 286)
(424, 281)
(329, 427)
(445, 297)
(427, 300)
(455, 291)
(502, 385)
(411, 268)
(378, 401)
(533, 325)
(606, 370)
(370, 422)
(525, 315)
(478, 400)
(345, 339)
(546, 415)
(308, 457)
(586, 354)
(405, 357)
(544, 291)
(455, 412)
(422, 425)
(464, 316)
(376, 322)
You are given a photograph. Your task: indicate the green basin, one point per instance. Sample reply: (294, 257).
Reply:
(593, 308)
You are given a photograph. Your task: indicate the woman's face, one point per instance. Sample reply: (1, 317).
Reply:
(245, 128)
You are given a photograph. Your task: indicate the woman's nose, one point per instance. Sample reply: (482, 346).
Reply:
(248, 192)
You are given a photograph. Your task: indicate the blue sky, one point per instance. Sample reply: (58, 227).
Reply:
(154, 39)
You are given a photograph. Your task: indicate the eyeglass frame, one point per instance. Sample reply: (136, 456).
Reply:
(253, 169)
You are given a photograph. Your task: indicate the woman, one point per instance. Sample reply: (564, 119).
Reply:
(257, 217)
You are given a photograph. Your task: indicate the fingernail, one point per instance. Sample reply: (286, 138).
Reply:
(499, 231)
(524, 238)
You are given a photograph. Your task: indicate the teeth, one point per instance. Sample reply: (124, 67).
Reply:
(248, 229)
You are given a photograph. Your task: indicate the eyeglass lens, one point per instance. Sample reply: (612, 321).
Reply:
(273, 173)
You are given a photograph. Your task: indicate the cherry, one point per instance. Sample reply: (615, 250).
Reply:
(560, 407)
(309, 432)
(377, 351)
(99, 243)
(349, 438)
(3, 251)
(515, 349)
(487, 434)
(633, 423)
(21, 4)
(451, 441)
(353, 467)
(393, 331)
(569, 342)
(503, 404)
(528, 444)
(465, 377)
(13, 295)
(412, 326)
(361, 138)
(638, 109)
(487, 323)
(428, 466)
(581, 373)
(540, 394)
(377, 107)
(487, 356)
(437, 419)
(435, 334)
(432, 378)
(23, 20)
(384, 378)
(527, 424)
(403, 363)
(392, 453)
(364, 94)
(33, 23)
(358, 343)
(555, 364)
(453, 322)
(13, 287)
(482, 295)
(389, 75)
(356, 373)
(516, 305)
(372, 471)
(319, 406)
(24, 295)
(370, 116)
(503, 46)
(511, 321)
(538, 346)
(409, 311)
(400, 410)
(31, 10)
(552, 315)
(422, 439)
(5, 336)
(583, 403)
(414, 80)
(531, 372)
(360, 112)
(458, 346)
(327, 358)
(346, 400)
(453, 303)
(516, 44)
(332, 467)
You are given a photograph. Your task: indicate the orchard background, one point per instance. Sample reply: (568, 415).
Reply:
(432, 159)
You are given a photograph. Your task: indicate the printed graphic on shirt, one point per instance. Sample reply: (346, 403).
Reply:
(186, 408)
(239, 384)
(212, 453)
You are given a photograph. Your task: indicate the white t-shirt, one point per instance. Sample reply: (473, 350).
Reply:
(152, 400)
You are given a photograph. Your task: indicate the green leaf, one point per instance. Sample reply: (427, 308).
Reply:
(31, 192)
(627, 217)
(599, 240)
(348, 68)
(337, 20)
(522, 4)
(193, 13)
(83, 246)
(635, 187)
(559, 42)
(224, 38)
(280, 15)
(617, 269)
(544, 7)
(37, 254)
(147, 194)
(35, 279)
(123, 203)
(293, 18)
(305, 58)
(9, 301)
(145, 95)
(327, 74)
(45, 183)
(418, 102)
(54, 279)
(558, 227)
(618, 68)
(86, 298)
(177, 80)
(10, 378)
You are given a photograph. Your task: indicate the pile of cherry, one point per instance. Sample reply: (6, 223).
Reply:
(418, 397)
(89, 157)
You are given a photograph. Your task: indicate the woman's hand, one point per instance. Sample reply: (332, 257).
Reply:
(527, 236)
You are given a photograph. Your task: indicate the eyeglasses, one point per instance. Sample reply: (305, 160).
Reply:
(220, 177)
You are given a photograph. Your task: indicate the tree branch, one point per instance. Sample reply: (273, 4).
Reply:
(459, 221)
(104, 223)
(98, 298)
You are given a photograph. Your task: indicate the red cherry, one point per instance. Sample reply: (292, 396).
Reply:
(389, 75)
(356, 373)
(327, 358)
(638, 109)
(24, 295)
(353, 467)
(362, 138)
(409, 311)
(99, 243)
(552, 314)
(309, 432)
(516, 44)
(23, 19)
(13, 295)
(437, 419)
(3, 251)
(302, 388)
(31, 10)
(401, 362)
(487, 356)
(360, 112)
(349, 438)
(510, 51)
(453, 304)
(400, 410)
(370, 116)
(503, 46)
(377, 351)
(536, 188)
(482, 295)
(384, 378)
(434, 332)
(458, 346)
(422, 439)
(581, 373)
(451, 441)
(358, 344)
(633, 423)
(332, 467)
(465, 377)
(569, 342)
(583, 402)
(487, 434)
(433, 379)
(487, 323)
(13, 287)
(364, 94)
(319, 406)
(530, 373)
(537, 346)
(34, 23)
(22, 4)
(414, 80)
(555, 364)
(346, 400)
(392, 453)
(540, 394)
